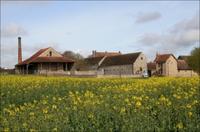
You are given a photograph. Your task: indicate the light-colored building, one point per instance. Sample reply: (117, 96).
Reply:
(168, 65)
(133, 64)
(183, 68)
(109, 64)
(44, 61)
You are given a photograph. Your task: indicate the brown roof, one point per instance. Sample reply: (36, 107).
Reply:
(35, 58)
(163, 58)
(102, 54)
(183, 57)
(151, 66)
(182, 65)
(52, 59)
(124, 59)
(93, 60)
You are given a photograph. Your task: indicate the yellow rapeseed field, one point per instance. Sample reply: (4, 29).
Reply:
(34, 103)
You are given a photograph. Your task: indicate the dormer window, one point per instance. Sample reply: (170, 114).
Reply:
(50, 53)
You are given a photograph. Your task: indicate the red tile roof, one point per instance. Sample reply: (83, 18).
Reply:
(35, 58)
(163, 58)
(52, 59)
(102, 54)
(151, 66)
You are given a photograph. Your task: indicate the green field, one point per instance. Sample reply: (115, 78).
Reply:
(33, 103)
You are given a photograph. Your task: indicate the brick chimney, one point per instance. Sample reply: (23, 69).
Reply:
(19, 50)
(94, 53)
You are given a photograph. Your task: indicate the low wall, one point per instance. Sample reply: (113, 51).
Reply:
(186, 73)
(84, 73)
(118, 76)
(64, 73)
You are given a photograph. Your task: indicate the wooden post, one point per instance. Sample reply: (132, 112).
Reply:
(27, 69)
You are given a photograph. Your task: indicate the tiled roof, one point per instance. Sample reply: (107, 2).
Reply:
(182, 65)
(52, 59)
(93, 60)
(102, 54)
(35, 58)
(124, 59)
(183, 57)
(162, 58)
(151, 66)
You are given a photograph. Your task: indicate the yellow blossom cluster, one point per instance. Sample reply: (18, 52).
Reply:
(36, 103)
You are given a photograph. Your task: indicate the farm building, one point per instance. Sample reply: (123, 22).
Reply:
(132, 64)
(94, 60)
(44, 61)
(151, 66)
(184, 70)
(168, 65)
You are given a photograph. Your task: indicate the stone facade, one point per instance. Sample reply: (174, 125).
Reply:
(118, 70)
(134, 67)
(168, 68)
(186, 73)
(168, 65)
(140, 65)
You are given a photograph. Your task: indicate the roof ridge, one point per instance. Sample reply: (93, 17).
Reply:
(124, 54)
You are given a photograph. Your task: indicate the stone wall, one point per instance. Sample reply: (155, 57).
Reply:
(140, 65)
(186, 73)
(60, 72)
(118, 70)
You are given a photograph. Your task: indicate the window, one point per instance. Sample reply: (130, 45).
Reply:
(140, 68)
(141, 58)
(50, 53)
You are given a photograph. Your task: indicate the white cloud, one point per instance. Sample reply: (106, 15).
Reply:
(187, 24)
(13, 30)
(182, 35)
(147, 17)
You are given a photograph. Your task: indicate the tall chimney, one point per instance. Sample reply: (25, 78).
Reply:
(19, 50)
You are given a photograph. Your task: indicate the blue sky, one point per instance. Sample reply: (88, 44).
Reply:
(83, 26)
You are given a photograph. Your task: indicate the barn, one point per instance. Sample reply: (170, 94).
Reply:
(132, 64)
(43, 61)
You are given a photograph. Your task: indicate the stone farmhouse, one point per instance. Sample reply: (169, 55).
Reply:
(116, 64)
(168, 65)
(43, 61)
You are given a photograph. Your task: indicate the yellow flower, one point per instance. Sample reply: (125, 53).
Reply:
(123, 110)
(188, 106)
(6, 130)
(31, 114)
(138, 104)
(33, 130)
(91, 116)
(179, 125)
(24, 124)
(190, 114)
(54, 106)
(55, 129)
(45, 111)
